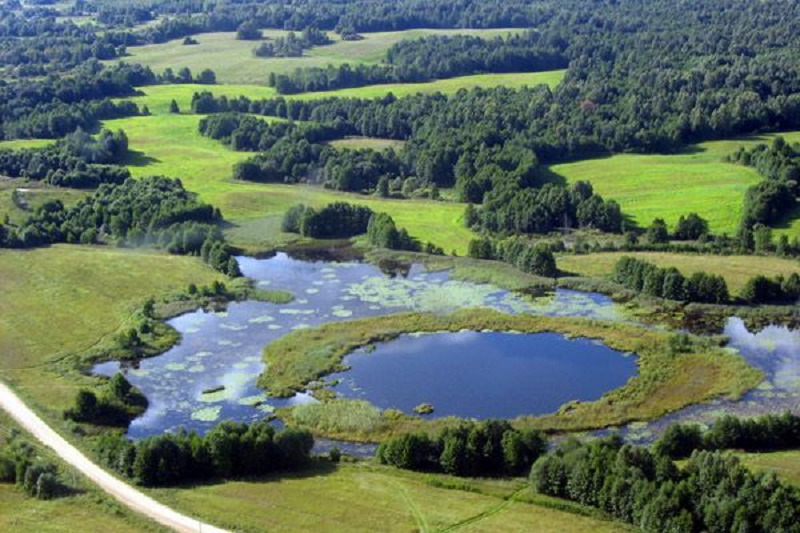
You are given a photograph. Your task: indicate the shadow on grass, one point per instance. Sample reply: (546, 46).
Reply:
(315, 468)
(139, 159)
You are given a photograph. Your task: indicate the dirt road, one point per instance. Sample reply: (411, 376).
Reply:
(124, 493)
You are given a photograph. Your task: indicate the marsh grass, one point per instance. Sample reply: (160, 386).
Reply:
(666, 381)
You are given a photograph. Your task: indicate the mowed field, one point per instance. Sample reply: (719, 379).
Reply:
(233, 60)
(736, 269)
(64, 299)
(368, 498)
(668, 186)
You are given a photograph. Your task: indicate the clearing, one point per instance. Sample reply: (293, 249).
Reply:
(699, 181)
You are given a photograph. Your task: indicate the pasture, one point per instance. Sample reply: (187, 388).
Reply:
(697, 180)
(65, 299)
(366, 497)
(233, 60)
(735, 269)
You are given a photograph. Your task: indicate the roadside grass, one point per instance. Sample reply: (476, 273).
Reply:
(366, 497)
(668, 186)
(736, 269)
(785, 464)
(64, 299)
(667, 380)
(233, 60)
(87, 509)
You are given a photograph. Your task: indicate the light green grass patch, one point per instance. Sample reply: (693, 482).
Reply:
(373, 143)
(233, 61)
(65, 299)
(365, 497)
(668, 186)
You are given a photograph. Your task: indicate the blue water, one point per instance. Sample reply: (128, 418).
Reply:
(225, 348)
(484, 374)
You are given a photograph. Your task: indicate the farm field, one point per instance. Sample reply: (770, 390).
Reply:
(34, 195)
(233, 61)
(369, 498)
(786, 465)
(735, 269)
(698, 180)
(64, 299)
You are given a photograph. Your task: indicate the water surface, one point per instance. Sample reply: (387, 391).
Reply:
(484, 374)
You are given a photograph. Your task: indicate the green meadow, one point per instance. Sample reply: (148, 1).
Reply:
(233, 60)
(735, 269)
(786, 465)
(698, 180)
(170, 145)
(65, 299)
(365, 497)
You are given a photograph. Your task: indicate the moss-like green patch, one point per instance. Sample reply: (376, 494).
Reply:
(667, 380)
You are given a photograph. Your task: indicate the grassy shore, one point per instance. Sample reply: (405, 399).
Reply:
(736, 269)
(63, 300)
(698, 180)
(366, 497)
(667, 380)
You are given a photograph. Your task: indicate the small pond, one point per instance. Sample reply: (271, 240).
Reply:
(484, 374)
(224, 349)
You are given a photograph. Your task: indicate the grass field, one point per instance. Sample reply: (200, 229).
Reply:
(87, 509)
(170, 145)
(65, 299)
(366, 498)
(697, 181)
(785, 464)
(16, 144)
(373, 143)
(735, 269)
(233, 60)
(35, 194)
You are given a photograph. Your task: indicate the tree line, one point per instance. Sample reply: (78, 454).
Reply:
(712, 491)
(229, 450)
(772, 199)
(487, 448)
(646, 278)
(434, 57)
(23, 464)
(764, 433)
(155, 212)
(530, 257)
(116, 406)
(78, 160)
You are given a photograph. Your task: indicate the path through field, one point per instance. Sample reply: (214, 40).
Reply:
(124, 493)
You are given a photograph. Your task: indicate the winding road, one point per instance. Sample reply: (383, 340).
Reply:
(124, 493)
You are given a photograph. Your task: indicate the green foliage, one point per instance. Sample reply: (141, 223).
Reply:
(488, 448)
(383, 233)
(712, 492)
(230, 449)
(644, 277)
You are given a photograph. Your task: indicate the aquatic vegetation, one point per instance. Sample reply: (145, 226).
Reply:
(207, 414)
(666, 382)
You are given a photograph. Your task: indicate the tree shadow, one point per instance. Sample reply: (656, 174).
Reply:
(136, 158)
(317, 467)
